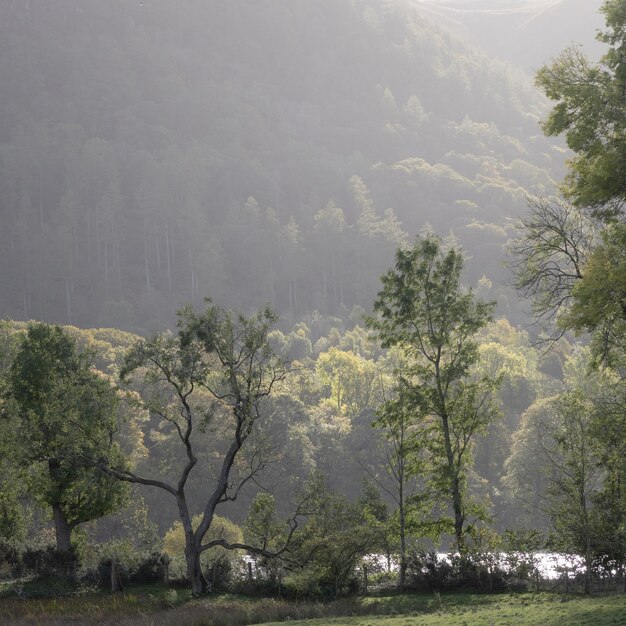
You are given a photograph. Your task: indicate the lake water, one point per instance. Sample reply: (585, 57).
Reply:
(551, 565)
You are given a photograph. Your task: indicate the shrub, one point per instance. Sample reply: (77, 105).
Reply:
(10, 561)
(49, 562)
(426, 571)
(151, 569)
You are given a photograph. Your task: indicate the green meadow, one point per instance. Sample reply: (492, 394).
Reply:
(162, 606)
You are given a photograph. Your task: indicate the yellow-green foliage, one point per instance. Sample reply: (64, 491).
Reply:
(351, 378)
(174, 543)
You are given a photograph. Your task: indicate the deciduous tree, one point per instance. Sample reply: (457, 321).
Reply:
(590, 110)
(214, 375)
(424, 309)
(63, 412)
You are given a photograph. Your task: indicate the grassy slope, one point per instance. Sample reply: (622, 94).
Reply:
(152, 605)
(543, 609)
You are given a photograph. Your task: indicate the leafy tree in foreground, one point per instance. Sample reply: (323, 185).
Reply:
(212, 378)
(423, 309)
(598, 303)
(574, 477)
(62, 412)
(401, 458)
(336, 536)
(569, 264)
(567, 464)
(590, 109)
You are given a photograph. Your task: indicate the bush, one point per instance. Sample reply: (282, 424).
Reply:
(10, 561)
(149, 570)
(426, 571)
(50, 562)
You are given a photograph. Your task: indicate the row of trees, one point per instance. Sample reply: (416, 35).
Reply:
(570, 261)
(215, 376)
(208, 395)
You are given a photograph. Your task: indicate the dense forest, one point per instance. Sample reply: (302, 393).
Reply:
(277, 155)
(321, 283)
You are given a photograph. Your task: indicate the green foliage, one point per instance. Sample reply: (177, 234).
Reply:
(590, 111)
(210, 384)
(62, 416)
(567, 459)
(336, 536)
(262, 527)
(599, 298)
(221, 527)
(353, 380)
(423, 309)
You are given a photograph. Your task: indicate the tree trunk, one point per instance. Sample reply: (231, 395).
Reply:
(588, 562)
(459, 518)
(195, 576)
(402, 550)
(116, 579)
(455, 488)
(199, 584)
(250, 577)
(63, 530)
(453, 471)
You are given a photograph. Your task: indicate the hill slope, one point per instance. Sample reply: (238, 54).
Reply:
(151, 155)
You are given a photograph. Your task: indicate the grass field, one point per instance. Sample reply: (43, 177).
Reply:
(162, 606)
(539, 610)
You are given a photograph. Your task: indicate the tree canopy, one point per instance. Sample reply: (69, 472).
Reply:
(423, 309)
(63, 414)
(590, 110)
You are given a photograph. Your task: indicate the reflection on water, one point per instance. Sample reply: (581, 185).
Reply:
(550, 565)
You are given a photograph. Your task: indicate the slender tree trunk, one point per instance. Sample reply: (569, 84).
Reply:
(588, 562)
(63, 530)
(402, 530)
(459, 518)
(402, 552)
(455, 487)
(365, 580)
(116, 579)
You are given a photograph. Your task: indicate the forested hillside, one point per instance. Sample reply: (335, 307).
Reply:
(257, 333)
(256, 152)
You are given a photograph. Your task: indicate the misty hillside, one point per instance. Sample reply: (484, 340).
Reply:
(256, 152)
(527, 33)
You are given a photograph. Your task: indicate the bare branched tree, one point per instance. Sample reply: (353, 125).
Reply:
(548, 257)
